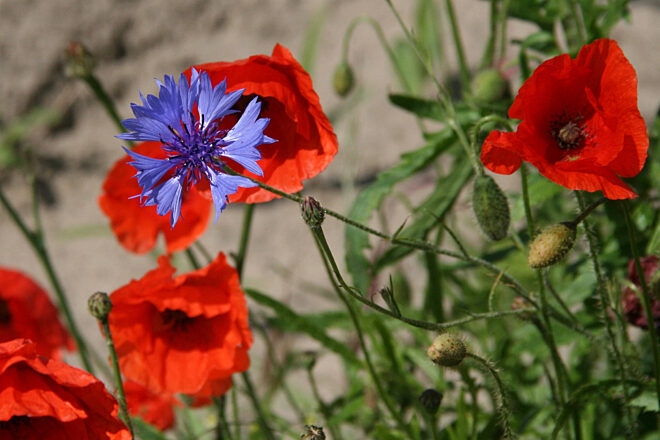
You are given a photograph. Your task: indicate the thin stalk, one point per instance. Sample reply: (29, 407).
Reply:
(245, 238)
(334, 430)
(579, 21)
(329, 262)
(261, 415)
(36, 240)
(604, 298)
(489, 53)
(458, 43)
(103, 97)
(503, 19)
(560, 369)
(194, 262)
(500, 394)
(119, 385)
(237, 420)
(646, 298)
(222, 431)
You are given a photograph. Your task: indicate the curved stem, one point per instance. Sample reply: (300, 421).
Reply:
(121, 395)
(604, 299)
(36, 240)
(329, 261)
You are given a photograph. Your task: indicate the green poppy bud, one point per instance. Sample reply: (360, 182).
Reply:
(343, 79)
(551, 245)
(488, 86)
(430, 400)
(79, 61)
(490, 207)
(312, 212)
(99, 305)
(447, 350)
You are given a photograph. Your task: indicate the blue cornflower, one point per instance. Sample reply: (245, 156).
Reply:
(196, 146)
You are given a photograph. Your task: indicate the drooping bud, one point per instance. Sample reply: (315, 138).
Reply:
(430, 400)
(343, 79)
(551, 245)
(99, 305)
(489, 86)
(313, 432)
(312, 212)
(79, 61)
(447, 350)
(490, 207)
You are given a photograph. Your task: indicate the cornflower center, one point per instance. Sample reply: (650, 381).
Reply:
(195, 148)
(5, 313)
(569, 133)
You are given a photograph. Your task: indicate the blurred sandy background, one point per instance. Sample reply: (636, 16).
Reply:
(137, 41)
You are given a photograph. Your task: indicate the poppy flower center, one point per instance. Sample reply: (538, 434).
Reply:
(15, 423)
(5, 313)
(175, 319)
(569, 133)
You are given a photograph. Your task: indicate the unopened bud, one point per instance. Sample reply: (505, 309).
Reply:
(80, 62)
(313, 432)
(447, 350)
(551, 245)
(489, 86)
(343, 79)
(490, 207)
(99, 305)
(430, 400)
(312, 212)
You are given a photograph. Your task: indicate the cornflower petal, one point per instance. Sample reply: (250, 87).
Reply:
(224, 184)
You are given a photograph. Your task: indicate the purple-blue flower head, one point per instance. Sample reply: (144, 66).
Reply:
(185, 118)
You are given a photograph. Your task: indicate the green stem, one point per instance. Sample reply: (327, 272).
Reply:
(500, 394)
(604, 298)
(245, 238)
(560, 371)
(194, 262)
(323, 408)
(121, 396)
(105, 100)
(261, 415)
(222, 431)
(579, 21)
(36, 240)
(329, 263)
(235, 411)
(489, 53)
(646, 298)
(458, 43)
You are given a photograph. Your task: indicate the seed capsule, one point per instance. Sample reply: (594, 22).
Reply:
(447, 350)
(551, 245)
(490, 207)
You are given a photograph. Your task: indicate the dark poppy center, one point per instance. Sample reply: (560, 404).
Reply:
(569, 133)
(175, 319)
(5, 313)
(15, 424)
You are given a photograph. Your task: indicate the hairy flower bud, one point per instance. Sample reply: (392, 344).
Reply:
(99, 305)
(490, 207)
(312, 212)
(430, 400)
(551, 245)
(447, 350)
(80, 62)
(313, 432)
(489, 85)
(343, 79)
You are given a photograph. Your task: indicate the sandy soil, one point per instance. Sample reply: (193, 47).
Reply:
(137, 41)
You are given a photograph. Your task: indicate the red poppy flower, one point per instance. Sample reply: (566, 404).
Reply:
(580, 123)
(632, 306)
(187, 334)
(45, 399)
(136, 226)
(306, 142)
(154, 408)
(26, 312)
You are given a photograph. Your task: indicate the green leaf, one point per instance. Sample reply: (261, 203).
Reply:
(430, 212)
(648, 400)
(302, 324)
(357, 241)
(423, 108)
(540, 190)
(145, 431)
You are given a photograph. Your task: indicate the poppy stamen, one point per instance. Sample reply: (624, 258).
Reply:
(5, 313)
(568, 132)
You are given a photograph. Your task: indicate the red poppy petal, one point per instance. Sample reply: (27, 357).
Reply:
(588, 178)
(501, 152)
(306, 142)
(136, 226)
